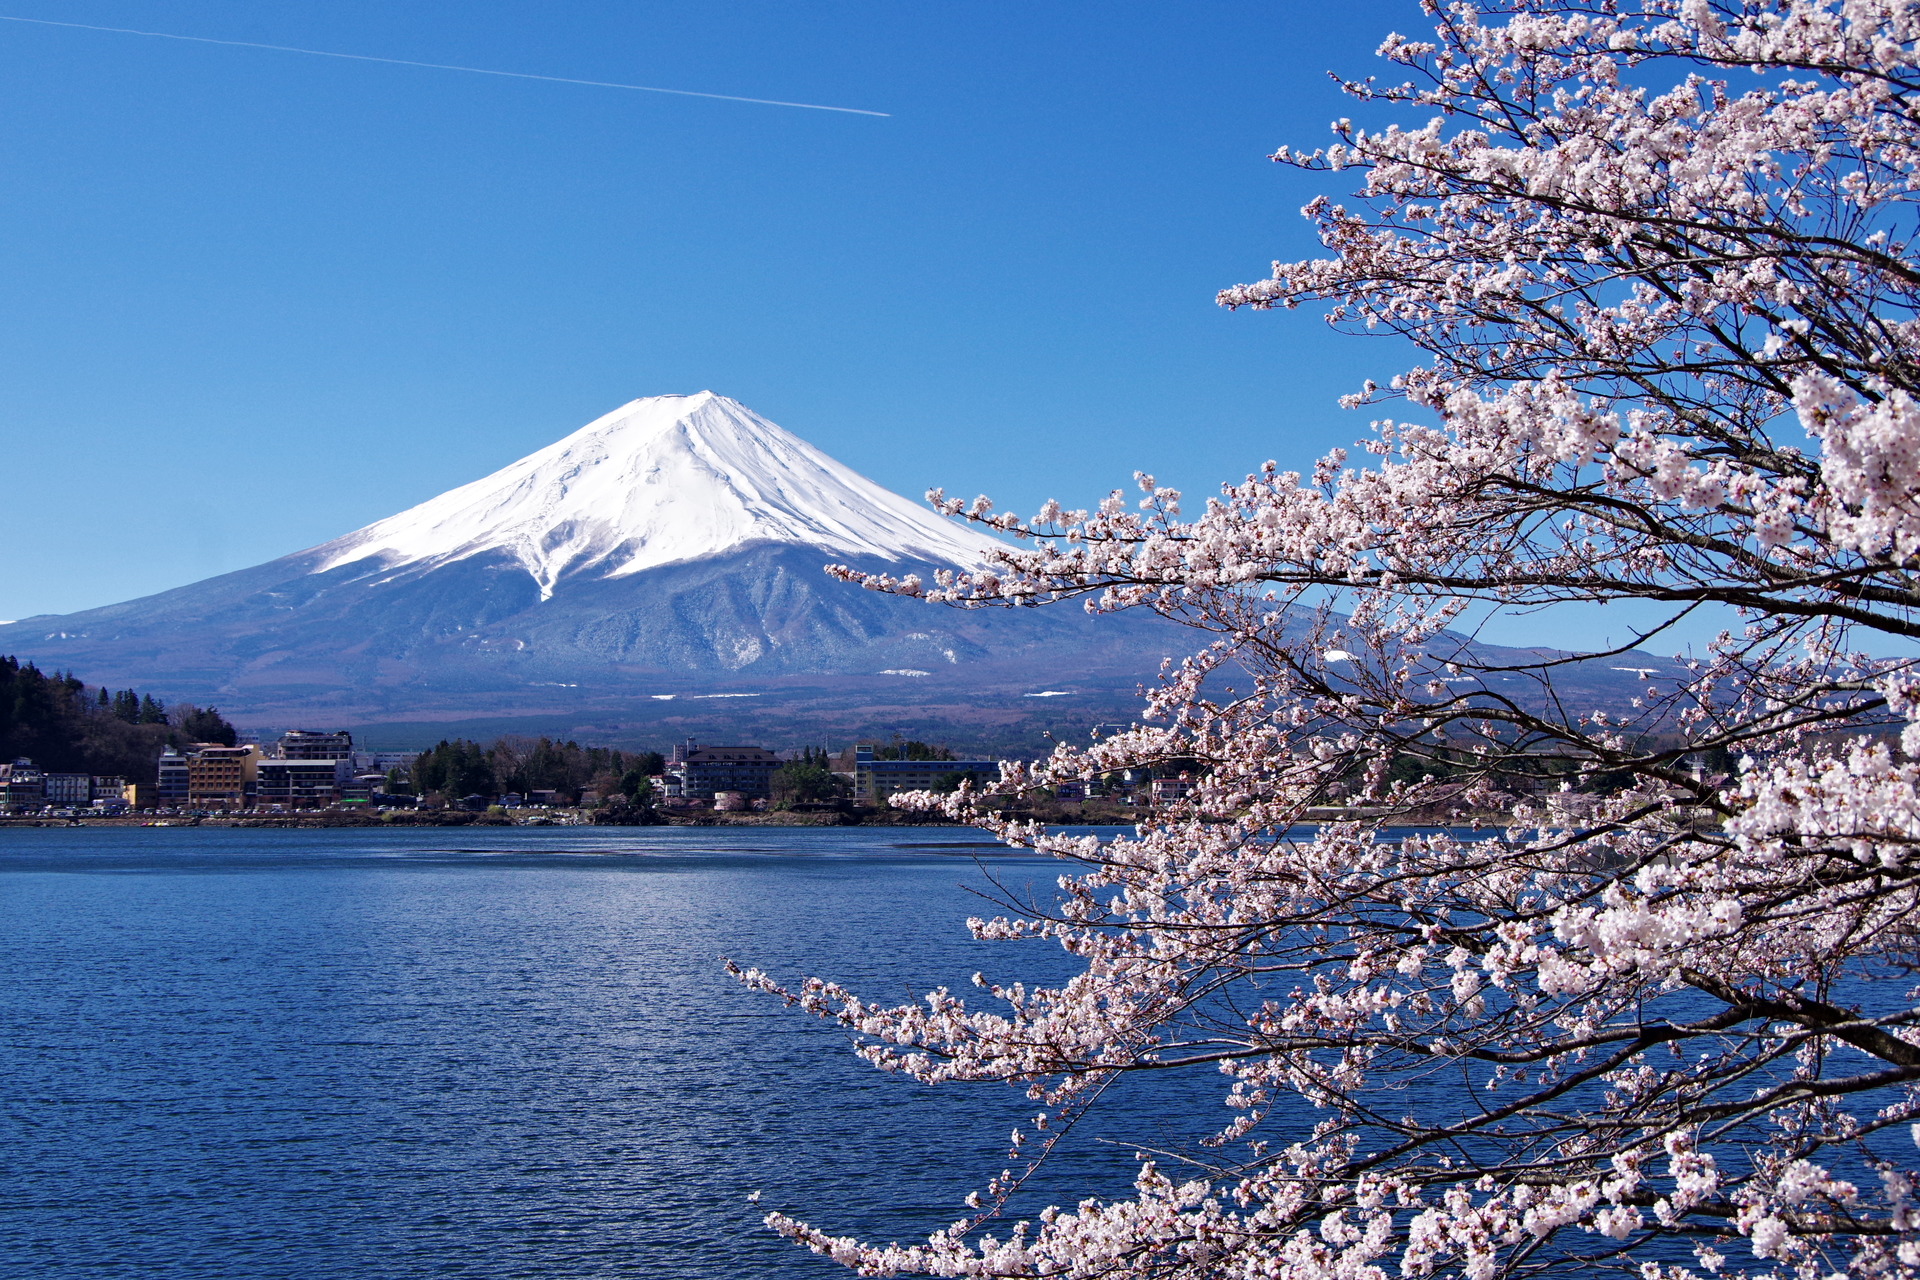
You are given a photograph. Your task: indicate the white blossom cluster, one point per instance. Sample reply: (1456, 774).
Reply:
(1660, 259)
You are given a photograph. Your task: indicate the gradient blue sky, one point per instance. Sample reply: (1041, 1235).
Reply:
(253, 300)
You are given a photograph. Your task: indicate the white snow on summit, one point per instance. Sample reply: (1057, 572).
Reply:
(660, 480)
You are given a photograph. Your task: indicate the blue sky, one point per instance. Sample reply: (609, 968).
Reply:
(253, 300)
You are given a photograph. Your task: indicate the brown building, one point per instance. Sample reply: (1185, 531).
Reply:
(221, 777)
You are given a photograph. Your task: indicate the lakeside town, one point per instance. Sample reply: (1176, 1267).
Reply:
(71, 752)
(309, 777)
(323, 775)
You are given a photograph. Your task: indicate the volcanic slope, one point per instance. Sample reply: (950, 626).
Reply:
(656, 573)
(671, 547)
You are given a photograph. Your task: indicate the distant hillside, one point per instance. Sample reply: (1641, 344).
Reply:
(65, 725)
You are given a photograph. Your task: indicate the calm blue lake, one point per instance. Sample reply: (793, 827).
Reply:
(258, 1055)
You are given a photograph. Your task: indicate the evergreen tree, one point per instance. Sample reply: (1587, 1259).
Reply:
(62, 725)
(634, 785)
(455, 769)
(203, 724)
(807, 780)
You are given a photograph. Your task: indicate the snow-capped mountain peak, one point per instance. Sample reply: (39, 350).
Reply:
(658, 481)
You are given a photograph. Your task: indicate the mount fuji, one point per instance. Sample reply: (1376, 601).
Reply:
(660, 481)
(668, 552)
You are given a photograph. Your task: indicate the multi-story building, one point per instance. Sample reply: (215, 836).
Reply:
(21, 785)
(875, 780)
(704, 771)
(221, 777)
(301, 784)
(383, 762)
(67, 788)
(171, 791)
(1167, 790)
(311, 744)
(310, 769)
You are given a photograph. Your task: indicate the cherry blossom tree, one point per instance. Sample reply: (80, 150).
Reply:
(1659, 258)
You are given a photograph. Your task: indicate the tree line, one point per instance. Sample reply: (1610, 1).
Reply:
(460, 767)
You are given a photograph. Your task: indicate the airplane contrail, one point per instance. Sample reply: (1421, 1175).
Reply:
(443, 66)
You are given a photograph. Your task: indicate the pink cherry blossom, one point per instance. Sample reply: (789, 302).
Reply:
(1659, 258)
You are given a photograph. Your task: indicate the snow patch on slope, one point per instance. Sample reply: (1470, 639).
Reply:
(658, 481)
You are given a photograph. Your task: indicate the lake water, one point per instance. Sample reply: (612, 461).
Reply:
(307, 1055)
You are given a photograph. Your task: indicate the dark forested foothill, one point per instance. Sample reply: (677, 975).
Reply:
(66, 726)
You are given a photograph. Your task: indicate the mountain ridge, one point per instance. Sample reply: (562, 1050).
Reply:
(661, 568)
(671, 549)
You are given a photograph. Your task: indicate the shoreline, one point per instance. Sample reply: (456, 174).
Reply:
(569, 818)
(431, 818)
